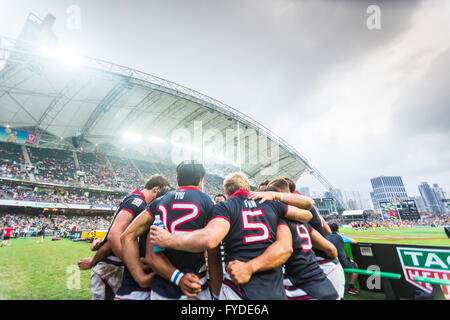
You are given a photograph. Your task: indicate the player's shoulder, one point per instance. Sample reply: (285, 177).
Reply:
(205, 196)
(133, 202)
(275, 205)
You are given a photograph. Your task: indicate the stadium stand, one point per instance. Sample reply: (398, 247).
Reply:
(53, 165)
(12, 163)
(127, 175)
(59, 195)
(96, 172)
(114, 175)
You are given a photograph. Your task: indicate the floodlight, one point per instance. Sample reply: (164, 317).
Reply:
(69, 57)
(154, 139)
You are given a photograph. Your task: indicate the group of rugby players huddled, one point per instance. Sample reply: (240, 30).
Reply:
(264, 245)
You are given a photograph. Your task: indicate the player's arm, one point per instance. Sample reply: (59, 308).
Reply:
(296, 214)
(292, 199)
(215, 271)
(326, 227)
(197, 241)
(101, 253)
(274, 256)
(96, 244)
(348, 239)
(121, 222)
(130, 248)
(296, 204)
(323, 244)
(189, 283)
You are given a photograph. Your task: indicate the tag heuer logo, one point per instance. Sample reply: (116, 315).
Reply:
(428, 263)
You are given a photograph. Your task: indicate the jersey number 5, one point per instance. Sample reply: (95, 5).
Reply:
(248, 225)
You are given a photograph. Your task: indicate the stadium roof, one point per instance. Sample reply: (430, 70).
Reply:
(60, 95)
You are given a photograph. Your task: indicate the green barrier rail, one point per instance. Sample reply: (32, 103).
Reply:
(441, 282)
(385, 280)
(373, 272)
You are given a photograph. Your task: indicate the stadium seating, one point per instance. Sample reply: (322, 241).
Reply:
(127, 175)
(96, 169)
(53, 165)
(118, 175)
(12, 164)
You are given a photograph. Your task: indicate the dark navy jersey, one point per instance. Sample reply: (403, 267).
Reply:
(182, 210)
(253, 228)
(128, 282)
(317, 223)
(338, 242)
(302, 266)
(133, 203)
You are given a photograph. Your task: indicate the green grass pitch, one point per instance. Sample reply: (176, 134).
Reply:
(43, 271)
(416, 235)
(48, 270)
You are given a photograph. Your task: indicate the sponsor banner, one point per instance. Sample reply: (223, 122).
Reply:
(17, 136)
(102, 208)
(427, 263)
(50, 205)
(409, 261)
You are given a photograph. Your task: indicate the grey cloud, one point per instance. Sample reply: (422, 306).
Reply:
(426, 107)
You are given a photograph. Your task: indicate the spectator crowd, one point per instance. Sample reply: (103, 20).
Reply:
(94, 170)
(55, 225)
(61, 195)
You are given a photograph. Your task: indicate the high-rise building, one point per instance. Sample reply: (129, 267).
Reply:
(305, 191)
(421, 206)
(387, 189)
(440, 196)
(432, 197)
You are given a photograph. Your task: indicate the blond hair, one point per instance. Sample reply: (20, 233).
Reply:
(235, 181)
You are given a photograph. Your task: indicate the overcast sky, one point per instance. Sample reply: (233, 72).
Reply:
(357, 103)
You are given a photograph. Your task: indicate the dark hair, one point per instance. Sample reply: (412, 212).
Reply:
(264, 183)
(271, 188)
(291, 184)
(334, 227)
(189, 173)
(157, 180)
(220, 195)
(279, 183)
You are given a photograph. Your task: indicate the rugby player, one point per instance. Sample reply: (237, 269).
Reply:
(331, 267)
(248, 229)
(7, 235)
(179, 274)
(109, 277)
(219, 198)
(303, 277)
(263, 185)
(41, 233)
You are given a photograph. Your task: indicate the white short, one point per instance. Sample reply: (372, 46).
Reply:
(293, 292)
(135, 295)
(106, 279)
(335, 273)
(229, 290)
